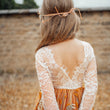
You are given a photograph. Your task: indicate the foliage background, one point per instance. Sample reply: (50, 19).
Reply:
(10, 4)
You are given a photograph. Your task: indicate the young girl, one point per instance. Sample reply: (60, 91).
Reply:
(66, 66)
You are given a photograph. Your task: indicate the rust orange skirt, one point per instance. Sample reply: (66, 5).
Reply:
(67, 99)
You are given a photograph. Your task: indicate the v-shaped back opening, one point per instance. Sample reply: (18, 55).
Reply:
(65, 68)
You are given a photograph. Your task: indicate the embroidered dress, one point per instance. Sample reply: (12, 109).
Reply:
(59, 91)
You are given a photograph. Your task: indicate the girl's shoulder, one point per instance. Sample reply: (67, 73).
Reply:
(43, 54)
(89, 50)
(40, 53)
(85, 43)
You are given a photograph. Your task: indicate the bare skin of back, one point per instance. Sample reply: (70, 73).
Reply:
(68, 54)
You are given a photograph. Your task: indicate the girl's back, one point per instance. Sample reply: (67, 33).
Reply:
(69, 54)
(64, 70)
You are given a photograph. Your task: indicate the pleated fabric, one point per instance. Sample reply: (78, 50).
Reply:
(67, 99)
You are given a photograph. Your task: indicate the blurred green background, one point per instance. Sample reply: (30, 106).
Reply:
(11, 4)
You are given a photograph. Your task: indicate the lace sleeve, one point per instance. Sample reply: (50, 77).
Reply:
(46, 86)
(91, 83)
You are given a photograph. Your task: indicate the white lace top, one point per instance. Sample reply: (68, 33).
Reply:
(52, 76)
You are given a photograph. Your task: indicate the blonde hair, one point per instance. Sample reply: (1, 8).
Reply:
(57, 29)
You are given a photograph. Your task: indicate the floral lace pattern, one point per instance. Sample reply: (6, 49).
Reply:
(51, 76)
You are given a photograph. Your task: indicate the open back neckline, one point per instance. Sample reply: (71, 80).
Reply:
(64, 68)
